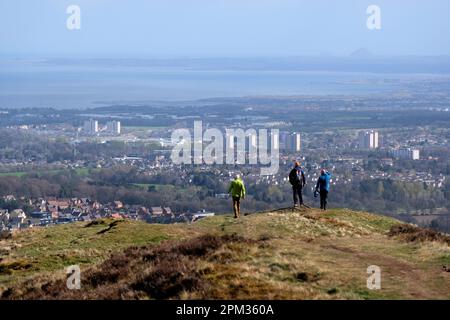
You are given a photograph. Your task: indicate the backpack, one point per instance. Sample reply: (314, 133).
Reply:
(293, 177)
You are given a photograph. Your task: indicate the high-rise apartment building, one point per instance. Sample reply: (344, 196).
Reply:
(290, 142)
(114, 127)
(368, 139)
(91, 126)
(406, 153)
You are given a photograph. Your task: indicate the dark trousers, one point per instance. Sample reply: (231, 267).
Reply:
(297, 193)
(237, 206)
(323, 199)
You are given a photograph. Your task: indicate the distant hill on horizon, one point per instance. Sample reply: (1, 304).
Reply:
(361, 53)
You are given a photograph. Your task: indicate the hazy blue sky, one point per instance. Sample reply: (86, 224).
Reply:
(199, 28)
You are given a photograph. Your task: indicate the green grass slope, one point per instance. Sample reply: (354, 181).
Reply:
(285, 254)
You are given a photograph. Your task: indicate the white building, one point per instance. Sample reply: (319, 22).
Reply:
(91, 126)
(114, 127)
(274, 141)
(368, 139)
(202, 214)
(293, 142)
(406, 153)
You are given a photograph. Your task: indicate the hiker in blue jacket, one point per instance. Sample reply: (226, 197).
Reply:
(298, 181)
(323, 187)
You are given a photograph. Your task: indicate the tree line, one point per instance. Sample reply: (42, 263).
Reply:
(191, 192)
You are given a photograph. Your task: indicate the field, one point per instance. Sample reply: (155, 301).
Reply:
(13, 174)
(79, 171)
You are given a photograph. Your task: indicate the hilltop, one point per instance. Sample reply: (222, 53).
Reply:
(284, 254)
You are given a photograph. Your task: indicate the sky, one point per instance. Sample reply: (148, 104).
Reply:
(222, 28)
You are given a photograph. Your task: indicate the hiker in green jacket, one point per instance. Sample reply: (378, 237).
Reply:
(237, 191)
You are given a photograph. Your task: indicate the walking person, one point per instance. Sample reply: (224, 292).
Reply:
(323, 187)
(298, 181)
(237, 191)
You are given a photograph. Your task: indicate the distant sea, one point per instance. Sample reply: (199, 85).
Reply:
(64, 83)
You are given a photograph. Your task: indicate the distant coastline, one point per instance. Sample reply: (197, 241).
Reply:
(87, 83)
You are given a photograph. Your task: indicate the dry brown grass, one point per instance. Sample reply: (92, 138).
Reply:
(162, 272)
(413, 233)
(303, 254)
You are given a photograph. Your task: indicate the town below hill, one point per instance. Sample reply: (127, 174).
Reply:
(51, 211)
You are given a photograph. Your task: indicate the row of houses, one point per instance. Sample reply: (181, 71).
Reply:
(60, 211)
(11, 220)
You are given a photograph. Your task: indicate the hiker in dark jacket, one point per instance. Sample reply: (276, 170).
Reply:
(298, 181)
(323, 187)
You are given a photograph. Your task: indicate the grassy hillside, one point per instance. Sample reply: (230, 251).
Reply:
(306, 254)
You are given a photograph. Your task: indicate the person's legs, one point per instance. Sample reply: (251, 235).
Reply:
(236, 206)
(323, 199)
(295, 195)
(300, 195)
